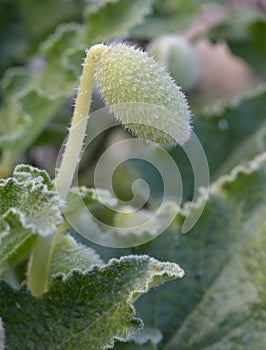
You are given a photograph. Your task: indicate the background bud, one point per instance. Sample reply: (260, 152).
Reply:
(178, 56)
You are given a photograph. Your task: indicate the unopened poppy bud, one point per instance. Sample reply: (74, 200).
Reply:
(143, 96)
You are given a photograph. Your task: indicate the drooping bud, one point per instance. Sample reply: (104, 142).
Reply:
(143, 96)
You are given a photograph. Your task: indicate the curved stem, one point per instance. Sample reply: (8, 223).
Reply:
(77, 130)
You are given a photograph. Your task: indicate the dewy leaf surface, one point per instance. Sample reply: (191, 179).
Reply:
(232, 312)
(220, 304)
(82, 310)
(28, 206)
(69, 255)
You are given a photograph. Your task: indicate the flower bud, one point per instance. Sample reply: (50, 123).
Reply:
(143, 96)
(178, 56)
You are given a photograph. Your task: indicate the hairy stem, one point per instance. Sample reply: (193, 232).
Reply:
(77, 130)
(39, 264)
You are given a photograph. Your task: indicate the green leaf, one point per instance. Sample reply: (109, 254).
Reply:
(225, 128)
(147, 335)
(40, 19)
(26, 201)
(28, 113)
(148, 338)
(84, 205)
(20, 248)
(246, 150)
(81, 306)
(69, 255)
(56, 50)
(90, 197)
(222, 294)
(32, 98)
(12, 128)
(231, 313)
(13, 242)
(96, 215)
(112, 19)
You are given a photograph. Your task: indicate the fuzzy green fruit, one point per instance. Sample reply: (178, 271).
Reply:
(178, 56)
(143, 96)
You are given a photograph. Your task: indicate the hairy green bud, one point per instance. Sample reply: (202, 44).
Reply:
(143, 96)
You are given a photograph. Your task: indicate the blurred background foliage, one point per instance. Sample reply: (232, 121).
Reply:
(42, 47)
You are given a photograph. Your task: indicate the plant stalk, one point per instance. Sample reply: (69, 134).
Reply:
(73, 148)
(40, 260)
(7, 163)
